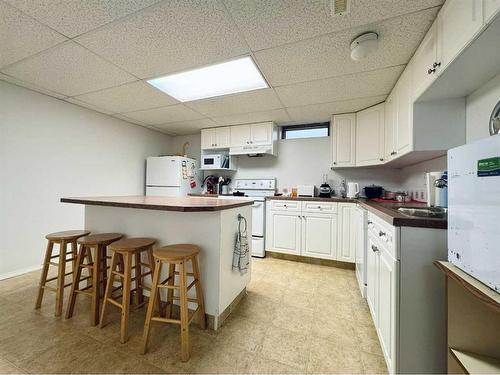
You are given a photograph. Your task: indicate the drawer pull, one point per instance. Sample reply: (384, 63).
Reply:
(374, 248)
(285, 205)
(381, 233)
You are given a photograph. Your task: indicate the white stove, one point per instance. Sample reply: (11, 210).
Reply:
(256, 190)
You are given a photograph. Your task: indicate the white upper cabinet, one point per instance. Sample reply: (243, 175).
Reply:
(343, 137)
(389, 128)
(240, 135)
(491, 9)
(458, 21)
(215, 138)
(261, 134)
(426, 65)
(370, 136)
(403, 136)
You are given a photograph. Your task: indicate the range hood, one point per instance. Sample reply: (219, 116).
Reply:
(253, 150)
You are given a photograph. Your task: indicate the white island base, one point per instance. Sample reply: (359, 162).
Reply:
(214, 231)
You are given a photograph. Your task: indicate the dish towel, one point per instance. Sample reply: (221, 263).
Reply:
(241, 255)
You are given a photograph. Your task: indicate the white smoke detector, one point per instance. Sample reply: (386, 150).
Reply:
(363, 45)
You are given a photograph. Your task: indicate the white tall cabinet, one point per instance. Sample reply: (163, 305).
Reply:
(343, 137)
(370, 133)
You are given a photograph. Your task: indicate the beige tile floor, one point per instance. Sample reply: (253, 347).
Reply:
(296, 318)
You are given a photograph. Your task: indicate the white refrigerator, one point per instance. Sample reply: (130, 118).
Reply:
(172, 176)
(474, 209)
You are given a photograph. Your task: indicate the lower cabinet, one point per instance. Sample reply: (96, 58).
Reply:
(315, 229)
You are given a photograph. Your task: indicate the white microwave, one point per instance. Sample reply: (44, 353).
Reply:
(214, 161)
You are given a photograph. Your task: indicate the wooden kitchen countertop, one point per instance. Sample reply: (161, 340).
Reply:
(181, 204)
(382, 210)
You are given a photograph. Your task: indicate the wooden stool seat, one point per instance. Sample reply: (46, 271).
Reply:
(99, 239)
(93, 249)
(132, 244)
(177, 252)
(67, 235)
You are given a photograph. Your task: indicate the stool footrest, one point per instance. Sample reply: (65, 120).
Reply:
(118, 274)
(112, 301)
(169, 286)
(193, 283)
(176, 298)
(187, 273)
(165, 320)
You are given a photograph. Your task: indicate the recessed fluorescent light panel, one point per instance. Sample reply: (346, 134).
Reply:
(215, 80)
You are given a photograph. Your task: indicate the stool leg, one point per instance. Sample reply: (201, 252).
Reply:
(170, 291)
(96, 286)
(126, 297)
(199, 294)
(184, 313)
(45, 271)
(109, 288)
(151, 305)
(152, 266)
(139, 297)
(76, 281)
(60, 278)
(74, 253)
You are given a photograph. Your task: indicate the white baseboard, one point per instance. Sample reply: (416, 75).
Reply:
(19, 272)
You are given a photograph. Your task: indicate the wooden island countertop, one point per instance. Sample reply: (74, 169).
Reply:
(182, 204)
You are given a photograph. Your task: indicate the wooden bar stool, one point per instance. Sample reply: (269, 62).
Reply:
(62, 239)
(176, 255)
(96, 266)
(128, 250)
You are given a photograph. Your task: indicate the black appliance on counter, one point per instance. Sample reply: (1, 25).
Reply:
(373, 191)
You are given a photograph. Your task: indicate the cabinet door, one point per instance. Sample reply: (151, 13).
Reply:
(343, 137)
(459, 21)
(346, 250)
(239, 135)
(319, 236)
(285, 236)
(491, 8)
(370, 136)
(208, 139)
(389, 128)
(261, 134)
(222, 137)
(425, 68)
(404, 114)
(388, 269)
(372, 261)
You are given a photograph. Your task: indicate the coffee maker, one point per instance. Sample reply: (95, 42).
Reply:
(325, 191)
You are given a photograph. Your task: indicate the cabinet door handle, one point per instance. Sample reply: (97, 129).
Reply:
(285, 206)
(369, 222)
(334, 163)
(436, 64)
(381, 159)
(319, 207)
(381, 233)
(393, 153)
(374, 248)
(430, 71)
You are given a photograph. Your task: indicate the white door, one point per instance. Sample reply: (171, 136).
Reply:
(389, 125)
(387, 306)
(261, 134)
(370, 136)
(343, 137)
(285, 236)
(491, 8)
(208, 139)
(163, 171)
(222, 137)
(404, 122)
(425, 62)
(239, 135)
(346, 232)
(372, 260)
(319, 235)
(459, 21)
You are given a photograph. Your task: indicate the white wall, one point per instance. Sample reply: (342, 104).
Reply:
(51, 149)
(478, 110)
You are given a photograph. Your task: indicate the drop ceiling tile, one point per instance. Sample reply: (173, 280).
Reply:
(68, 69)
(322, 112)
(88, 106)
(30, 86)
(266, 24)
(252, 101)
(130, 97)
(75, 17)
(277, 115)
(22, 36)
(168, 37)
(186, 127)
(131, 120)
(352, 86)
(329, 55)
(164, 115)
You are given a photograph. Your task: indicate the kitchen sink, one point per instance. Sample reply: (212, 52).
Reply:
(430, 212)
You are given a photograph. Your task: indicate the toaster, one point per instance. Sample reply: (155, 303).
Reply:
(305, 190)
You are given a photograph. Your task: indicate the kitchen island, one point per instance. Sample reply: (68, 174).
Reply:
(209, 223)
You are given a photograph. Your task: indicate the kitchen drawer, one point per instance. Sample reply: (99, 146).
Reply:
(280, 205)
(384, 233)
(319, 207)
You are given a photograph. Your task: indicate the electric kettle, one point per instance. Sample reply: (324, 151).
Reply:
(352, 190)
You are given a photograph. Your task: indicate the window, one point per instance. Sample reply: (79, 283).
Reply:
(306, 131)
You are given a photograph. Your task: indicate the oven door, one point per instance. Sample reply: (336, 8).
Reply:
(258, 218)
